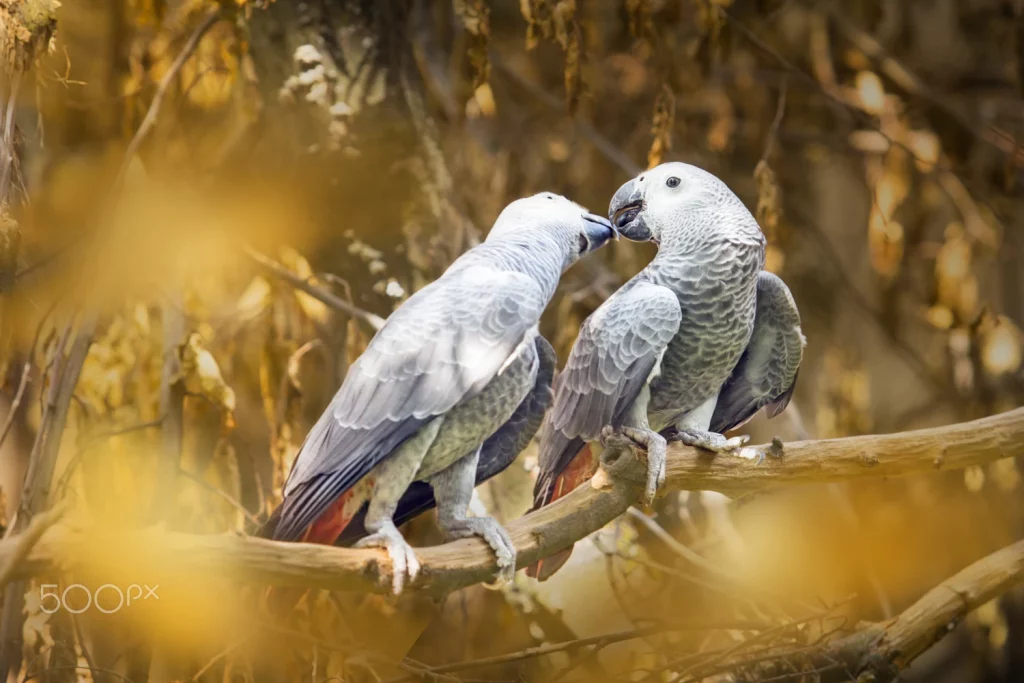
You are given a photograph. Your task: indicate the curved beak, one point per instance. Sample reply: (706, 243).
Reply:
(626, 212)
(598, 231)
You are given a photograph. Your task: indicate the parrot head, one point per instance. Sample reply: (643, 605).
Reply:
(575, 230)
(675, 198)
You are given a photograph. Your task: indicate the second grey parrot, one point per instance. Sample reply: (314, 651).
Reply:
(447, 370)
(692, 346)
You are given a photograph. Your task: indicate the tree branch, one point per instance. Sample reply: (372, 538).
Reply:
(884, 649)
(539, 534)
(321, 295)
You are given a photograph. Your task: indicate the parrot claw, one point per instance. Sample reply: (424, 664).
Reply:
(495, 535)
(717, 443)
(404, 563)
(649, 441)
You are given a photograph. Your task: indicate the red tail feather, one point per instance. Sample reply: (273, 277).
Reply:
(324, 530)
(579, 470)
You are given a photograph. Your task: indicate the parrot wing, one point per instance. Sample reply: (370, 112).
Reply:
(618, 349)
(766, 372)
(497, 453)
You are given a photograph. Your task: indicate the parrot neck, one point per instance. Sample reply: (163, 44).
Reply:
(712, 233)
(691, 246)
(535, 255)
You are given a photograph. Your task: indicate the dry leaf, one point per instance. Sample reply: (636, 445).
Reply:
(662, 124)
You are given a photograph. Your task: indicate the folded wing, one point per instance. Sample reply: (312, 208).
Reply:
(766, 373)
(616, 352)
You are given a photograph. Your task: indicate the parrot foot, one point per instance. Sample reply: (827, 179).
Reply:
(404, 563)
(650, 441)
(717, 443)
(494, 534)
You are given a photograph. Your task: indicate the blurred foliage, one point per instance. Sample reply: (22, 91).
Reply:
(363, 145)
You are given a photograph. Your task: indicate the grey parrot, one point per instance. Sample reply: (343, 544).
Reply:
(497, 453)
(447, 370)
(691, 347)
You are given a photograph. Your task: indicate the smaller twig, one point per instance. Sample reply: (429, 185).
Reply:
(74, 667)
(73, 463)
(16, 402)
(325, 297)
(598, 641)
(93, 669)
(161, 91)
(41, 263)
(773, 132)
(611, 152)
(19, 394)
(221, 493)
(219, 656)
(677, 547)
(28, 540)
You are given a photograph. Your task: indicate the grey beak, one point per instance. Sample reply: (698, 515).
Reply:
(598, 231)
(626, 212)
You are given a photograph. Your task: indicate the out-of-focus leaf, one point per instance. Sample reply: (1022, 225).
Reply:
(475, 16)
(202, 376)
(557, 19)
(956, 284)
(974, 478)
(723, 121)
(255, 299)
(870, 93)
(298, 264)
(1001, 347)
(1005, 474)
(662, 123)
(926, 147)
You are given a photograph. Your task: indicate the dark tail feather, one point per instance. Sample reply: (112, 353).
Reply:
(580, 469)
(325, 530)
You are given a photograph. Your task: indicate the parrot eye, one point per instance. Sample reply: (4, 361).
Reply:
(673, 182)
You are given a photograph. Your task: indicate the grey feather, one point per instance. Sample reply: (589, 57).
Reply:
(766, 373)
(498, 452)
(618, 348)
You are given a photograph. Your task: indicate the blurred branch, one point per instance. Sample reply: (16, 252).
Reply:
(27, 540)
(942, 391)
(41, 465)
(172, 406)
(325, 297)
(773, 132)
(883, 650)
(852, 113)
(880, 651)
(546, 531)
(603, 144)
(909, 81)
(161, 91)
(19, 394)
(222, 494)
(597, 642)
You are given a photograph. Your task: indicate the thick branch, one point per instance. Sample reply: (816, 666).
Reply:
(885, 649)
(951, 447)
(539, 534)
